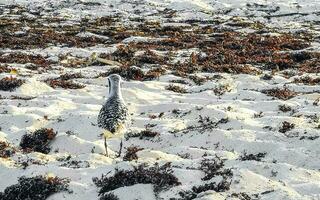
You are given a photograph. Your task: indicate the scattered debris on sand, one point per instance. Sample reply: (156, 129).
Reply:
(38, 187)
(38, 141)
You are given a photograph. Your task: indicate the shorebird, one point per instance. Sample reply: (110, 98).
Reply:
(114, 114)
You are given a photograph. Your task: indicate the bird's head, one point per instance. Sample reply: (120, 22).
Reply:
(114, 81)
(114, 78)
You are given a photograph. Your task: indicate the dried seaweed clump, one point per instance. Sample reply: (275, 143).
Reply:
(222, 89)
(213, 168)
(10, 83)
(38, 141)
(284, 108)
(193, 193)
(71, 76)
(232, 69)
(64, 81)
(161, 177)
(199, 80)
(25, 162)
(243, 196)
(4, 69)
(6, 150)
(66, 84)
(35, 188)
(283, 94)
(311, 66)
(42, 38)
(144, 134)
(154, 73)
(301, 56)
(204, 124)
(308, 61)
(131, 153)
(135, 73)
(21, 58)
(307, 80)
(149, 57)
(123, 54)
(256, 157)
(128, 73)
(176, 88)
(286, 126)
(109, 196)
(76, 164)
(309, 137)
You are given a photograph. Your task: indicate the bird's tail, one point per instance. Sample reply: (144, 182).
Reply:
(107, 134)
(117, 134)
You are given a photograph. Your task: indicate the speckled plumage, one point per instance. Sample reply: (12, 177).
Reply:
(114, 112)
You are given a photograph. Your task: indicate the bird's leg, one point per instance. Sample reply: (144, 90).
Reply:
(106, 146)
(119, 153)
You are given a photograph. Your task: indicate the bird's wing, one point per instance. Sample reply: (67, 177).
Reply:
(117, 134)
(112, 117)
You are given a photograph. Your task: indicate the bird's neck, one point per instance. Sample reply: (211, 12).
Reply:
(115, 90)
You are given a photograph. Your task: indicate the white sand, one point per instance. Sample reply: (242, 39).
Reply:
(291, 168)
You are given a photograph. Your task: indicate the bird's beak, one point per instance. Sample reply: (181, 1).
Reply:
(109, 85)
